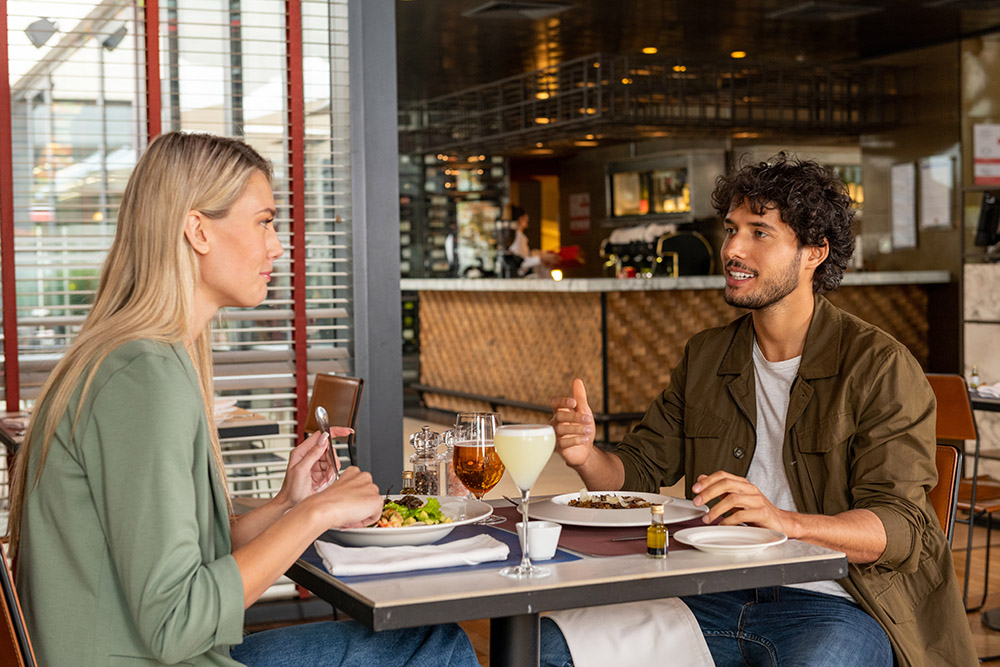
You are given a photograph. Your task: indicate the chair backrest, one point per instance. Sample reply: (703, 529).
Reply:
(341, 396)
(15, 647)
(944, 496)
(955, 420)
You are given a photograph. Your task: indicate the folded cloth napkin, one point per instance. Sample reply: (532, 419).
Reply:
(353, 561)
(990, 390)
(634, 634)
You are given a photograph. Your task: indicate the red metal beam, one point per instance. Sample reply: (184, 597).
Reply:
(12, 383)
(296, 203)
(152, 52)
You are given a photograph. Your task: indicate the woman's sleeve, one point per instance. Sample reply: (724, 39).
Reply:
(139, 452)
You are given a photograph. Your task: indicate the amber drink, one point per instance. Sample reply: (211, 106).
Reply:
(477, 466)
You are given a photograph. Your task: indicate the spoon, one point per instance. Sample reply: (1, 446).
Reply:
(323, 421)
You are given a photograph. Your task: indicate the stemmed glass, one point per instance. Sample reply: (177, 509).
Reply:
(525, 449)
(476, 462)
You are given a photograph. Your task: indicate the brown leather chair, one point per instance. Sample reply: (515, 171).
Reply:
(977, 496)
(15, 647)
(944, 495)
(341, 396)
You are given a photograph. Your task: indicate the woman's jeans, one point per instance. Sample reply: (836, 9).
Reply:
(765, 627)
(349, 644)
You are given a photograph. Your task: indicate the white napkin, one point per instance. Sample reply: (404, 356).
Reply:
(634, 634)
(990, 390)
(353, 561)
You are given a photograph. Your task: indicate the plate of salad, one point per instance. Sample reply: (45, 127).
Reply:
(411, 520)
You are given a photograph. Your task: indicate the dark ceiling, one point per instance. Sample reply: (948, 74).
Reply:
(440, 50)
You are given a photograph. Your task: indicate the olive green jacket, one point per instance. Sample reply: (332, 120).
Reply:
(125, 550)
(859, 434)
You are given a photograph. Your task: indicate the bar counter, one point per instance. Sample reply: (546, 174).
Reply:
(511, 345)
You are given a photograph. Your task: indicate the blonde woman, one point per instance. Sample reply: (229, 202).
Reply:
(127, 551)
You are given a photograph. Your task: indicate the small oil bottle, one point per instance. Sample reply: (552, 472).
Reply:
(408, 488)
(974, 379)
(656, 534)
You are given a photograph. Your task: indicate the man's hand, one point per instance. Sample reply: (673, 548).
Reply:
(739, 502)
(573, 421)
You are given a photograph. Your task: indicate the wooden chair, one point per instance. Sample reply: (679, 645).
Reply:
(15, 647)
(341, 396)
(978, 496)
(944, 495)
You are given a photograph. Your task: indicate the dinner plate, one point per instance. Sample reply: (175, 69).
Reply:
(729, 539)
(558, 509)
(461, 511)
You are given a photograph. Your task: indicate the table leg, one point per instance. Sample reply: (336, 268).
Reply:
(514, 641)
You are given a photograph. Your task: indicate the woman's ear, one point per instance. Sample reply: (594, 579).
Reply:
(196, 233)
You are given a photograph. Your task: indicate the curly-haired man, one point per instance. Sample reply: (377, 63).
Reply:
(800, 418)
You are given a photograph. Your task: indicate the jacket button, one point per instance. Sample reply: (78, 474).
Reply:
(738, 452)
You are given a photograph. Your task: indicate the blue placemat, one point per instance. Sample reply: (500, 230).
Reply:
(461, 532)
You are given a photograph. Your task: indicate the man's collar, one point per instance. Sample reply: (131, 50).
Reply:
(819, 356)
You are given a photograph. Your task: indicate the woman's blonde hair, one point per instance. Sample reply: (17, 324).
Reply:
(147, 283)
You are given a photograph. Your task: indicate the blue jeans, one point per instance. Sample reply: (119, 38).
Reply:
(764, 627)
(759, 627)
(349, 644)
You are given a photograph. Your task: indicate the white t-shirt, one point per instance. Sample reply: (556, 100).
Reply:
(773, 383)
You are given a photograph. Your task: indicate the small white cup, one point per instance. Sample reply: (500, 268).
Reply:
(543, 537)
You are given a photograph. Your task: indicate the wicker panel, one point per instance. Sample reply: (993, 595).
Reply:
(522, 346)
(647, 332)
(529, 346)
(899, 310)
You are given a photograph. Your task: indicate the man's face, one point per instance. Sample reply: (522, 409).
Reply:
(762, 259)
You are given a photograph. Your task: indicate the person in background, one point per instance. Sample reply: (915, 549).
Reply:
(531, 260)
(121, 524)
(800, 418)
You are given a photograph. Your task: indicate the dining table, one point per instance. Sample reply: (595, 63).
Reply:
(593, 566)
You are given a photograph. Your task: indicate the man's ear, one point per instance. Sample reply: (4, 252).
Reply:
(196, 233)
(817, 254)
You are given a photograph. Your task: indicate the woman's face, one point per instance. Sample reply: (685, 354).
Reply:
(522, 222)
(243, 246)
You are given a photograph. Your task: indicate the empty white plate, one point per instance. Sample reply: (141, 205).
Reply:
(729, 539)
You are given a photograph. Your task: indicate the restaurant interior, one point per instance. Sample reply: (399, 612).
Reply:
(404, 134)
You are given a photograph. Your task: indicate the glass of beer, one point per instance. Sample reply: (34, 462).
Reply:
(525, 449)
(476, 462)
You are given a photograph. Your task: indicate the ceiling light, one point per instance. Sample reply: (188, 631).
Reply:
(738, 54)
(542, 96)
(40, 31)
(585, 143)
(650, 50)
(542, 120)
(680, 68)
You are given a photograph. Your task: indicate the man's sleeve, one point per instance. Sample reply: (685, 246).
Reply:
(653, 453)
(893, 465)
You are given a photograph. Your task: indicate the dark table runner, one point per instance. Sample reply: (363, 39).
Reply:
(597, 541)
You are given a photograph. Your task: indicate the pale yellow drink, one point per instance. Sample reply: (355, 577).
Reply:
(524, 450)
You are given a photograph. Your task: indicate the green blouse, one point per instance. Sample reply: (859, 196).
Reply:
(125, 552)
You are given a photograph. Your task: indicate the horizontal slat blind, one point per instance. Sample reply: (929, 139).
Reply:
(78, 125)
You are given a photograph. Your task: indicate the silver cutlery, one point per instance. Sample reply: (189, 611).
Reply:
(323, 421)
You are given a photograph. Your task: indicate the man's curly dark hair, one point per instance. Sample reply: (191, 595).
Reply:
(809, 198)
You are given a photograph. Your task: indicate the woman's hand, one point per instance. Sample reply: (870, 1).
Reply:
(310, 467)
(353, 501)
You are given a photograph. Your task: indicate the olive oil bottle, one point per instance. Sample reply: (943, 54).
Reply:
(656, 534)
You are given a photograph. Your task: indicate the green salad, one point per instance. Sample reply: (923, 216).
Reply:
(410, 511)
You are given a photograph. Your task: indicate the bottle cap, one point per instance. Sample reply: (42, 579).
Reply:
(407, 474)
(656, 509)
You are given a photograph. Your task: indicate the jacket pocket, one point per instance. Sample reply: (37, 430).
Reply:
(135, 661)
(905, 591)
(699, 423)
(825, 436)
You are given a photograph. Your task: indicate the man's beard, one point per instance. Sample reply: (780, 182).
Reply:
(769, 293)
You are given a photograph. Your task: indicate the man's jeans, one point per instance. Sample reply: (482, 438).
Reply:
(348, 644)
(765, 627)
